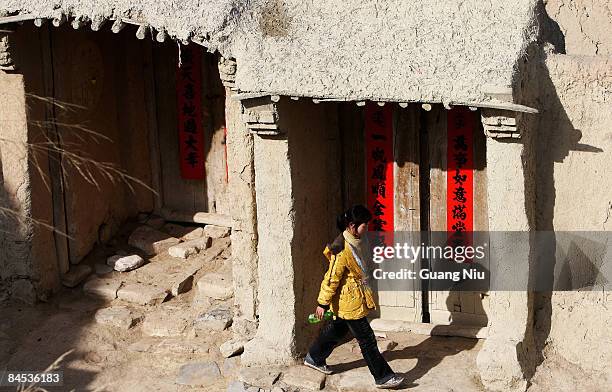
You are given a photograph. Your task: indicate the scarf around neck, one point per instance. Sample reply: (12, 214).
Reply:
(360, 247)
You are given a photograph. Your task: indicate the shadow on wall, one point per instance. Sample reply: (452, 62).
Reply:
(555, 136)
(4, 233)
(15, 272)
(315, 179)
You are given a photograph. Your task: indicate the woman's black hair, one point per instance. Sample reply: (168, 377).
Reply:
(357, 214)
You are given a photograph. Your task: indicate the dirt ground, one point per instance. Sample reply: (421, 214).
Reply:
(33, 337)
(148, 355)
(107, 357)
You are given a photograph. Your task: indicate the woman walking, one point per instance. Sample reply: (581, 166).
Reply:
(345, 290)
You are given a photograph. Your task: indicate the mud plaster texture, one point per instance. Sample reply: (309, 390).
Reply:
(436, 51)
(573, 188)
(241, 179)
(574, 195)
(575, 89)
(585, 24)
(295, 197)
(403, 51)
(15, 230)
(561, 162)
(500, 362)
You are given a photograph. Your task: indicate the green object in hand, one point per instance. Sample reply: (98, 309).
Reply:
(327, 315)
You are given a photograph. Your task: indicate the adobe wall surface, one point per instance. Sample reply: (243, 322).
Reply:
(29, 253)
(16, 230)
(574, 195)
(509, 356)
(214, 104)
(244, 212)
(504, 362)
(574, 150)
(585, 24)
(381, 50)
(297, 200)
(432, 51)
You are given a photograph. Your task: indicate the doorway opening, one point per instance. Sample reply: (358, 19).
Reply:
(419, 204)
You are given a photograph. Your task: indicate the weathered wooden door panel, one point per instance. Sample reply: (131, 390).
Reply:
(99, 119)
(419, 203)
(406, 304)
(177, 193)
(449, 307)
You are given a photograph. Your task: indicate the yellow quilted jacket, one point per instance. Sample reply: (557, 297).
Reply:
(341, 288)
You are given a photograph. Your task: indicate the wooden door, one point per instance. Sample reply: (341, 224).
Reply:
(177, 193)
(420, 173)
(406, 304)
(420, 150)
(452, 307)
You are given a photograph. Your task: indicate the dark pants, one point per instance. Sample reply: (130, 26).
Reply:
(333, 332)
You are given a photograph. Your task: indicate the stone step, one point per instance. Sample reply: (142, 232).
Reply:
(216, 231)
(239, 386)
(217, 319)
(259, 376)
(465, 331)
(216, 285)
(171, 345)
(304, 378)
(77, 274)
(151, 241)
(117, 316)
(164, 322)
(125, 263)
(231, 348)
(190, 248)
(185, 233)
(142, 294)
(199, 374)
(105, 289)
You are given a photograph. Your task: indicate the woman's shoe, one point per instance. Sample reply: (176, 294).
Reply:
(393, 382)
(308, 361)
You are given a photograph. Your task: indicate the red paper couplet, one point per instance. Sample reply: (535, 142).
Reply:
(189, 100)
(379, 166)
(460, 174)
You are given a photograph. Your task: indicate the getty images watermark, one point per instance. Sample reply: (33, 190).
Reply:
(412, 254)
(491, 261)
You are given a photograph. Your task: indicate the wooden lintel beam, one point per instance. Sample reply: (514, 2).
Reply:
(207, 218)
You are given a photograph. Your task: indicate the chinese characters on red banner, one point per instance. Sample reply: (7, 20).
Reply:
(188, 93)
(379, 166)
(460, 174)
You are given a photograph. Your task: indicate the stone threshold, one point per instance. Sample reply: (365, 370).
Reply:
(464, 331)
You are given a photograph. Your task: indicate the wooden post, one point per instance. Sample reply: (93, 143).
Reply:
(56, 173)
(151, 108)
(207, 218)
